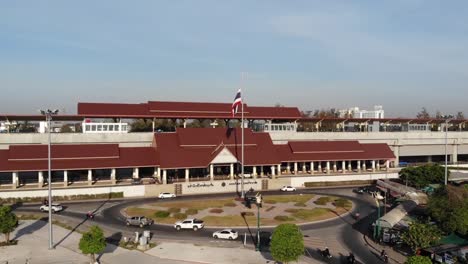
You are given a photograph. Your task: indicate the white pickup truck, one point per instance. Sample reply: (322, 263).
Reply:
(194, 224)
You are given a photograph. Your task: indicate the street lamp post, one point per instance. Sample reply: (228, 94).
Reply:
(259, 204)
(446, 131)
(48, 114)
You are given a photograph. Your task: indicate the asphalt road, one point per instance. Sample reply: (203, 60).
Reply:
(349, 232)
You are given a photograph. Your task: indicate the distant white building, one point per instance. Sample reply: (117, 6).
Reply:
(3, 128)
(355, 112)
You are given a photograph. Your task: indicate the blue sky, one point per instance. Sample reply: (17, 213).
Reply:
(402, 54)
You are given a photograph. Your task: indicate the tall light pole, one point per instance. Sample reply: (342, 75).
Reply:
(48, 114)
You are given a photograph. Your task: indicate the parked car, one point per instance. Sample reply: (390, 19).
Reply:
(140, 221)
(166, 195)
(360, 190)
(226, 234)
(194, 224)
(136, 181)
(288, 189)
(56, 207)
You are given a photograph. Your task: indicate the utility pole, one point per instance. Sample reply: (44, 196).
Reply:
(259, 204)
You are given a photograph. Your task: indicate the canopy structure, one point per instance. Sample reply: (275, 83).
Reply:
(397, 214)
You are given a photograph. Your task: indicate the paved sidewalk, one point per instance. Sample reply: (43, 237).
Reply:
(393, 256)
(32, 248)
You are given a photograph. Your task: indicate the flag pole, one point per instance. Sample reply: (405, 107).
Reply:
(242, 136)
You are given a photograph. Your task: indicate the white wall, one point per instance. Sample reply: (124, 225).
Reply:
(217, 186)
(299, 181)
(128, 191)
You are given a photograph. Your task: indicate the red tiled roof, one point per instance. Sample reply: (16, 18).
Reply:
(88, 151)
(189, 110)
(325, 146)
(214, 136)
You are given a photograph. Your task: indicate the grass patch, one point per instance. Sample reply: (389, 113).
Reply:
(323, 200)
(191, 211)
(179, 216)
(270, 208)
(9, 243)
(344, 203)
(283, 218)
(312, 214)
(162, 214)
(230, 204)
(173, 210)
(216, 210)
(199, 205)
(29, 217)
(291, 210)
(294, 198)
(132, 245)
(300, 205)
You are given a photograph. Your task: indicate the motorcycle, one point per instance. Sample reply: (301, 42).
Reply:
(325, 253)
(351, 259)
(89, 215)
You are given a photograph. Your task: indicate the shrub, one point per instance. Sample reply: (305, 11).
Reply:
(230, 204)
(162, 214)
(291, 210)
(283, 218)
(180, 216)
(191, 211)
(216, 210)
(247, 214)
(340, 202)
(322, 200)
(174, 210)
(300, 204)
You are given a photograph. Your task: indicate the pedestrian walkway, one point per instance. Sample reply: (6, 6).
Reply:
(393, 256)
(32, 236)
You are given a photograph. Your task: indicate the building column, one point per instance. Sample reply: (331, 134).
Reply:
(231, 171)
(387, 165)
(187, 175)
(65, 178)
(328, 167)
(295, 167)
(304, 170)
(164, 175)
(261, 171)
(359, 166)
(279, 169)
(454, 156)
(90, 177)
(185, 123)
(378, 165)
(343, 166)
(211, 172)
(350, 168)
(14, 180)
(334, 166)
(373, 165)
(273, 172)
(396, 152)
(320, 167)
(113, 176)
(40, 181)
(312, 167)
(136, 173)
(364, 166)
(254, 171)
(159, 174)
(288, 168)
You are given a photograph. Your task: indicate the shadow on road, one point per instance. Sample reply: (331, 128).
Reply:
(29, 229)
(112, 244)
(252, 236)
(83, 221)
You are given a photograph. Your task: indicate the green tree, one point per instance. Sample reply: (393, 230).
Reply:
(421, 176)
(66, 129)
(287, 243)
(418, 260)
(421, 235)
(460, 115)
(8, 221)
(423, 114)
(449, 207)
(141, 125)
(93, 242)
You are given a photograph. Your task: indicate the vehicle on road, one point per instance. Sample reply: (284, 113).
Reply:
(166, 195)
(194, 224)
(288, 189)
(226, 234)
(56, 207)
(140, 221)
(360, 190)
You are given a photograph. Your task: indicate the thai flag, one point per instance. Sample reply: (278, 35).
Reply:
(236, 103)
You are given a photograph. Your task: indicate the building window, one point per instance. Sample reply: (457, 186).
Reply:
(99, 127)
